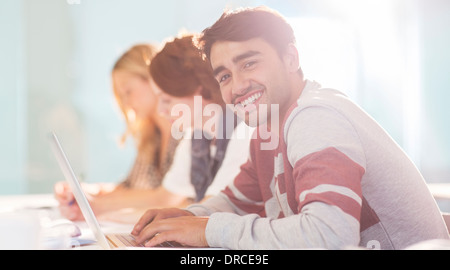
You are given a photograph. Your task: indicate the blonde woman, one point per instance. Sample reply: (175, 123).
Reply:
(155, 146)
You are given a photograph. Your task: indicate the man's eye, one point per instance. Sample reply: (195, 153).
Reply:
(224, 78)
(249, 64)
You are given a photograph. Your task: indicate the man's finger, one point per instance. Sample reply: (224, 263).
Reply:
(143, 221)
(148, 232)
(157, 239)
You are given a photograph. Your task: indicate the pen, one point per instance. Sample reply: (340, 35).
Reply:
(72, 202)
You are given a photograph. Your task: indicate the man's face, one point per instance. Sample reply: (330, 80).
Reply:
(251, 73)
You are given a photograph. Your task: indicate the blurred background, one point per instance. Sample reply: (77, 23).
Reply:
(392, 57)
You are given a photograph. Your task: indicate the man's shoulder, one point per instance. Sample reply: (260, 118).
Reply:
(313, 99)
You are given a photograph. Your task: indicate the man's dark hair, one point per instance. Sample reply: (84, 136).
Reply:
(248, 23)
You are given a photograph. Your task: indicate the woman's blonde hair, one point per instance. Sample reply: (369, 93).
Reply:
(137, 61)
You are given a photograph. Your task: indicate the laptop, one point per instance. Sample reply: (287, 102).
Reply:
(106, 241)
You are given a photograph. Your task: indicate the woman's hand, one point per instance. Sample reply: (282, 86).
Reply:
(67, 203)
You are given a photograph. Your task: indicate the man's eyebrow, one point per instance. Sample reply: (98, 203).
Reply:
(217, 70)
(244, 56)
(235, 60)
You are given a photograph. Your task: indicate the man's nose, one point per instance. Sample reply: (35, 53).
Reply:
(240, 85)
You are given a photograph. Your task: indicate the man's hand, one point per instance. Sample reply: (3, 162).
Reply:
(161, 225)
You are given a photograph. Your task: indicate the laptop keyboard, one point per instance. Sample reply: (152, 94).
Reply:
(129, 241)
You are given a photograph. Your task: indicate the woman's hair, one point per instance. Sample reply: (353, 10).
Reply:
(179, 70)
(137, 61)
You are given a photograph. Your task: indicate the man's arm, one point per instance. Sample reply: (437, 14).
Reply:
(328, 163)
(302, 231)
(188, 226)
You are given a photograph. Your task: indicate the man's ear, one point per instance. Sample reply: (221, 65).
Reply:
(291, 58)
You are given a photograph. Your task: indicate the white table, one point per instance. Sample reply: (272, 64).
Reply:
(20, 202)
(29, 204)
(30, 211)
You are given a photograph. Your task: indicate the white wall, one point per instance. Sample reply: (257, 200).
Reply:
(12, 98)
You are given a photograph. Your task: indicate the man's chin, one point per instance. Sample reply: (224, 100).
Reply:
(254, 121)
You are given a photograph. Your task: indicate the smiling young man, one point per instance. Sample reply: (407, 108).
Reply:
(336, 179)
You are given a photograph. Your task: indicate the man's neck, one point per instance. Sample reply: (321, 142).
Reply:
(297, 89)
